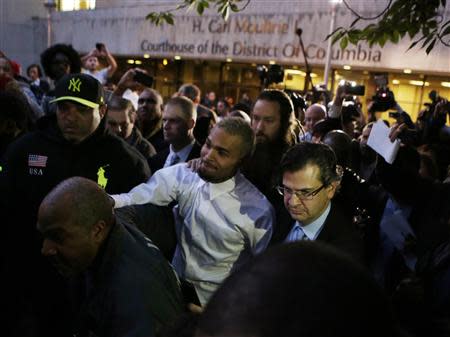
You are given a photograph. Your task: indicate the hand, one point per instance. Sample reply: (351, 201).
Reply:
(194, 164)
(396, 130)
(340, 95)
(194, 308)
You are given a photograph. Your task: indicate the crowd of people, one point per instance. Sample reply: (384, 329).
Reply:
(126, 214)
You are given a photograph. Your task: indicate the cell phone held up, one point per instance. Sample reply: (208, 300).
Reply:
(143, 78)
(356, 90)
(100, 46)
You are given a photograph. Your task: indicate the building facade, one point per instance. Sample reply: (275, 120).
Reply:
(223, 56)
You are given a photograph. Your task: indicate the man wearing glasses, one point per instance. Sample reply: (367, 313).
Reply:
(310, 178)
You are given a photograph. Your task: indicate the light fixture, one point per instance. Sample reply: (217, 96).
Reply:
(395, 82)
(165, 62)
(295, 72)
(419, 83)
(177, 57)
(347, 67)
(407, 71)
(146, 56)
(313, 75)
(137, 62)
(253, 64)
(445, 84)
(229, 60)
(130, 61)
(272, 62)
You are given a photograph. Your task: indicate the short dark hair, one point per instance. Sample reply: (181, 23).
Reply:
(190, 90)
(15, 107)
(34, 65)
(66, 49)
(303, 154)
(286, 109)
(236, 126)
(121, 104)
(186, 105)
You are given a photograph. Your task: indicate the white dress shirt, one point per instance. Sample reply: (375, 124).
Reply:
(219, 226)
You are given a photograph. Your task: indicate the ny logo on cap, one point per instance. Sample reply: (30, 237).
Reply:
(75, 84)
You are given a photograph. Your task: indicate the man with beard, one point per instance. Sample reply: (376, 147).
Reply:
(222, 219)
(87, 244)
(273, 122)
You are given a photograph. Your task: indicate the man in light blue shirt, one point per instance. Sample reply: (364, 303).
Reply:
(310, 179)
(222, 220)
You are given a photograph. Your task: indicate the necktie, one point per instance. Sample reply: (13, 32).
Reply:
(174, 160)
(297, 234)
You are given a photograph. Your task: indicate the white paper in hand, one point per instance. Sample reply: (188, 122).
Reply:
(379, 141)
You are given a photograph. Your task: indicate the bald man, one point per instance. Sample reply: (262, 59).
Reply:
(313, 114)
(128, 287)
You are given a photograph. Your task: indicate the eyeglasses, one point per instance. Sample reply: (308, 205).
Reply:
(302, 195)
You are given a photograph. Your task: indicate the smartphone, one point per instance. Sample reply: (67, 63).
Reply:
(357, 90)
(99, 46)
(143, 78)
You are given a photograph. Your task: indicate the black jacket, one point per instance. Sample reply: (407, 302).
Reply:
(130, 290)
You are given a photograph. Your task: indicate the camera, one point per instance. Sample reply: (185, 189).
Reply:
(273, 74)
(383, 100)
(143, 78)
(395, 115)
(356, 90)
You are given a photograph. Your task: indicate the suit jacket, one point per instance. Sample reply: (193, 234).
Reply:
(340, 232)
(157, 161)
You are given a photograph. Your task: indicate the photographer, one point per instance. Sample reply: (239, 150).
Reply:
(431, 121)
(91, 63)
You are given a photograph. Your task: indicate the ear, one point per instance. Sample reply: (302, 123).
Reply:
(99, 231)
(102, 110)
(331, 190)
(190, 124)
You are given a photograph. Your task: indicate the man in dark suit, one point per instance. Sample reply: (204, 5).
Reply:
(310, 178)
(178, 117)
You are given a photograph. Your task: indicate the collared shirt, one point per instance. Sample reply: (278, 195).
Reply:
(311, 231)
(219, 226)
(183, 154)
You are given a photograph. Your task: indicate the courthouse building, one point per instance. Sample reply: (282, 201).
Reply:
(224, 56)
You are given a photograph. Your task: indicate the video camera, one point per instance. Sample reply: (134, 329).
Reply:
(273, 74)
(384, 98)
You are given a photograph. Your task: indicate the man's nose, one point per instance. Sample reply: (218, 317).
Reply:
(48, 248)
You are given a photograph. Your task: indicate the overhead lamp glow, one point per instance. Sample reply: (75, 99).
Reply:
(445, 84)
(229, 60)
(177, 57)
(165, 62)
(272, 62)
(130, 61)
(295, 72)
(146, 56)
(347, 67)
(313, 75)
(137, 62)
(419, 83)
(395, 82)
(407, 71)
